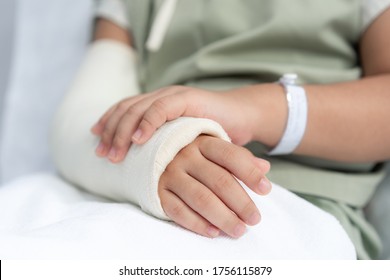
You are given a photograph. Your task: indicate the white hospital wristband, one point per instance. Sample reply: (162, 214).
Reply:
(297, 116)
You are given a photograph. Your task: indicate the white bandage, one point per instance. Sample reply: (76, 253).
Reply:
(297, 116)
(108, 75)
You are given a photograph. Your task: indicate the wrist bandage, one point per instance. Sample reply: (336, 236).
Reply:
(297, 116)
(108, 75)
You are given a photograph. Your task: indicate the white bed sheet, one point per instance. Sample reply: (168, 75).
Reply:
(43, 216)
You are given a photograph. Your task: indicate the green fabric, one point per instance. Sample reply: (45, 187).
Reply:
(350, 183)
(253, 39)
(221, 44)
(355, 190)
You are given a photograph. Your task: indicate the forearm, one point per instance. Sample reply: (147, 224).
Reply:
(107, 75)
(346, 121)
(349, 121)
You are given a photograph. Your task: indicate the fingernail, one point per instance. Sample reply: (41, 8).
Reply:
(112, 154)
(137, 135)
(254, 219)
(264, 186)
(100, 149)
(212, 231)
(239, 230)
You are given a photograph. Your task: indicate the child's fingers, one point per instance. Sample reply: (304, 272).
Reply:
(161, 110)
(239, 161)
(203, 201)
(105, 127)
(183, 215)
(121, 140)
(172, 102)
(116, 135)
(120, 125)
(97, 129)
(225, 186)
(109, 131)
(126, 126)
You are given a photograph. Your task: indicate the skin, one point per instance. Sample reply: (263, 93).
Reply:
(347, 122)
(198, 189)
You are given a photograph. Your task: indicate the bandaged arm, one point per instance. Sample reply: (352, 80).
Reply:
(107, 75)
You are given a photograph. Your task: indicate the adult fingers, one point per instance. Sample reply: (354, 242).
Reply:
(239, 161)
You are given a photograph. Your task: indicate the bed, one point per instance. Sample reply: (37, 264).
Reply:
(44, 216)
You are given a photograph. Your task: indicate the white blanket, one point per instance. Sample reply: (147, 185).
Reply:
(42, 216)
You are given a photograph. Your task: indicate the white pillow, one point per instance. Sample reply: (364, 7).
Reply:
(50, 40)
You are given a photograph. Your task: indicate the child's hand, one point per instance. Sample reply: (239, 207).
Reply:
(199, 192)
(136, 118)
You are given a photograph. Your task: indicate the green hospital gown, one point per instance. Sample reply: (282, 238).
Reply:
(222, 44)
